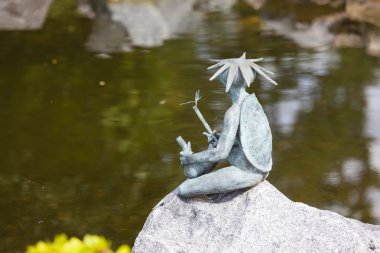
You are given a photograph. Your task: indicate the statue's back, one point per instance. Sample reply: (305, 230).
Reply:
(255, 134)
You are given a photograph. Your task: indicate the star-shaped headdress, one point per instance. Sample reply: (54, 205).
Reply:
(247, 68)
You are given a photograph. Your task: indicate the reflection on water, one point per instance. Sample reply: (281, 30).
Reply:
(87, 145)
(308, 36)
(147, 23)
(373, 122)
(120, 25)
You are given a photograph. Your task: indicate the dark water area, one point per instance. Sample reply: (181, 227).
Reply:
(87, 144)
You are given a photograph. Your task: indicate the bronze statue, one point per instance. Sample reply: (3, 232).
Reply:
(245, 141)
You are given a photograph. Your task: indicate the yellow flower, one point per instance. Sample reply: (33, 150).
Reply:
(40, 247)
(123, 249)
(90, 244)
(74, 245)
(96, 243)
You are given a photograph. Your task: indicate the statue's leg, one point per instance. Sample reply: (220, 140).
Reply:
(222, 180)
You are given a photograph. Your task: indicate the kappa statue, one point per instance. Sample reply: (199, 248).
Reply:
(245, 141)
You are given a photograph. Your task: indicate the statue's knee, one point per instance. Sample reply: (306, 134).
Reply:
(182, 191)
(256, 178)
(249, 179)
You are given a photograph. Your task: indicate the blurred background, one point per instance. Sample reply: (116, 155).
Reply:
(90, 93)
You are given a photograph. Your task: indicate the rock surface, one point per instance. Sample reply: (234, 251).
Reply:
(260, 219)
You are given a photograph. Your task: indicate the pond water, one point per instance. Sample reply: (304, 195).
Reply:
(87, 144)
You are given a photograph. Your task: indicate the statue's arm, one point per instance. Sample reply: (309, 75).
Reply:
(225, 143)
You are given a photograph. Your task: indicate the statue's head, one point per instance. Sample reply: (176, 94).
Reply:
(238, 72)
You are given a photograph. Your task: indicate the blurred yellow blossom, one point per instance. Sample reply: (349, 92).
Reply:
(89, 244)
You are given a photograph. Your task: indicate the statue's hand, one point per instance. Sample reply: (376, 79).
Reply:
(213, 138)
(184, 157)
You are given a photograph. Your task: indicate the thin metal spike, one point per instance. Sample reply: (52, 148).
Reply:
(247, 74)
(216, 65)
(255, 60)
(258, 70)
(223, 68)
(265, 70)
(231, 76)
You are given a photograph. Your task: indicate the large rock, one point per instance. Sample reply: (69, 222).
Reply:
(364, 10)
(23, 14)
(260, 219)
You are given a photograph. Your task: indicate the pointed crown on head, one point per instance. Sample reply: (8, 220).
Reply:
(246, 67)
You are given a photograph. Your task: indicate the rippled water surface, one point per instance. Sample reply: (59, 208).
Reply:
(87, 144)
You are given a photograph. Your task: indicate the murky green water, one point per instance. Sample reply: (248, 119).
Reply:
(87, 145)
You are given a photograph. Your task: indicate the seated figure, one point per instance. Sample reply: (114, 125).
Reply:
(245, 141)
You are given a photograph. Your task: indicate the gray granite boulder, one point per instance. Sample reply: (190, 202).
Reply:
(260, 219)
